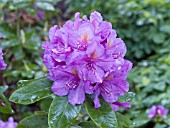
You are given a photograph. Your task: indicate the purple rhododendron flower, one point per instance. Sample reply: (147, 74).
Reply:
(9, 124)
(157, 110)
(2, 63)
(85, 56)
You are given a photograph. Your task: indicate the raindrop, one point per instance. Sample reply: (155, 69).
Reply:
(33, 98)
(119, 67)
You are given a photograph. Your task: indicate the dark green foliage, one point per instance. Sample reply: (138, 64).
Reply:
(35, 121)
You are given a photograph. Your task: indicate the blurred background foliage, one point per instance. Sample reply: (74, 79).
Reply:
(144, 25)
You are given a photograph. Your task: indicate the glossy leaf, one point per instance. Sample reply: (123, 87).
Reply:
(32, 91)
(5, 106)
(104, 116)
(61, 113)
(45, 104)
(35, 121)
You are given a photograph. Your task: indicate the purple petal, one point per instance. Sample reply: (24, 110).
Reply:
(52, 31)
(96, 98)
(59, 87)
(95, 50)
(86, 32)
(152, 112)
(40, 14)
(88, 88)
(77, 21)
(2, 63)
(116, 105)
(75, 55)
(109, 92)
(91, 72)
(69, 25)
(116, 48)
(96, 18)
(161, 110)
(77, 96)
(9, 124)
(103, 30)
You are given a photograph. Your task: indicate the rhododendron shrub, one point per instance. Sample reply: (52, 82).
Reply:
(86, 65)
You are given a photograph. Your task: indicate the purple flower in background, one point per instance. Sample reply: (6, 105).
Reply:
(9, 124)
(2, 63)
(39, 13)
(85, 56)
(157, 110)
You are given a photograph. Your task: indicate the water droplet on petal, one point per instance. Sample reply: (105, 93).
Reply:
(119, 67)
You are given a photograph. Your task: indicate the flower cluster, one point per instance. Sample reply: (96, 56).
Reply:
(157, 111)
(2, 63)
(85, 56)
(9, 124)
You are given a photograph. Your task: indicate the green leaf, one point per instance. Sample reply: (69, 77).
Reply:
(124, 121)
(127, 97)
(141, 121)
(22, 83)
(45, 6)
(45, 104)
(35, 121)
(5, 106)
(104, 116)
(159, 38)
(61, 113)
(32, 91)
(3, 89)
(88, 124)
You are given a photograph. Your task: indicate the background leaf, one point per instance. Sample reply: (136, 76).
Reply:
(123, 121)
(35, 121)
